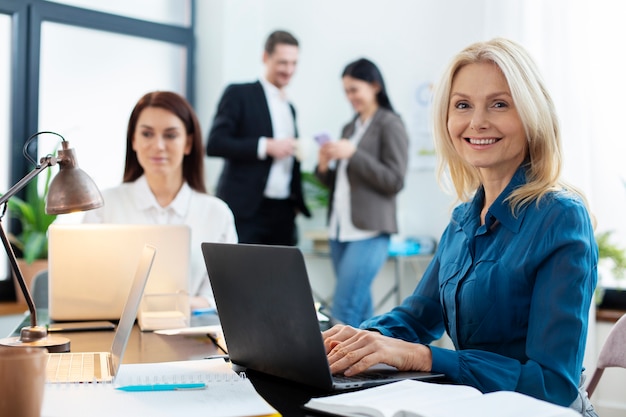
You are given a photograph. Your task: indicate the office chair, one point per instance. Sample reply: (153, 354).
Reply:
(612, 354)
(39, 289)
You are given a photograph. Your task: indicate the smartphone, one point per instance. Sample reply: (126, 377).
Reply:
(77, 326)
(322, 138)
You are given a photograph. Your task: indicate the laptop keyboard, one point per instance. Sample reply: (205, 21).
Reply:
(73, 367)
(369, 376)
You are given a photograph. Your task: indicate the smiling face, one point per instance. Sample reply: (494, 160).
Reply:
(161, 142)
(484, 124)
(361, 95)
(280, 65)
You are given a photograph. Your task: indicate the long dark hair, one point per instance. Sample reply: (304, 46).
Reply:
(365, 70)
(193, 164)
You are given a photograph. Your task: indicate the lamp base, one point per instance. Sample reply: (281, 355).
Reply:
(37, 336)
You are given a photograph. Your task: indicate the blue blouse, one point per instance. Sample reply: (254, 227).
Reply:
(512, 294)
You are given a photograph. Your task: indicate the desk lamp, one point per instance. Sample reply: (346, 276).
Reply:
(70, 190)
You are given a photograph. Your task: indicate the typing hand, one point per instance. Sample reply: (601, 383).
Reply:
(351, 351)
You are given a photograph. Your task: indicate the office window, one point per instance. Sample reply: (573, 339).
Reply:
(5, 119)
(89, 82)
(175, 12)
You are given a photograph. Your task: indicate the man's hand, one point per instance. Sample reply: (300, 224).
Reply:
(280, 148)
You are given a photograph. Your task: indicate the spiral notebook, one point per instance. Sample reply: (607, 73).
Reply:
(226, 393)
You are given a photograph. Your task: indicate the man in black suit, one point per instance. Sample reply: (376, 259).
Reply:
(254, 130)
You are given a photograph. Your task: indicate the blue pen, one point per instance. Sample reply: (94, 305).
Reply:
(161, 387)
(199, 311)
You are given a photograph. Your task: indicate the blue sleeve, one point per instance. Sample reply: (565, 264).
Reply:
(419, 318)
(564, 282)
(543, 357)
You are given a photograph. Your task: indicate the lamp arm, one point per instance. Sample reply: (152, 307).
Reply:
(19, 277)
(45, 163)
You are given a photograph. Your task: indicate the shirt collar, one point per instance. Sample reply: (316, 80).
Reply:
(362, 125)
(144, 199)
(271, 90)
(500, 210)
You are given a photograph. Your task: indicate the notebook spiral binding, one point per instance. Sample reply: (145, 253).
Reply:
(183, 379)
(206, 378)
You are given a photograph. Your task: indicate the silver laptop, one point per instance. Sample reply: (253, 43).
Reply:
(103, 366)
(269, 320)
(90, 266)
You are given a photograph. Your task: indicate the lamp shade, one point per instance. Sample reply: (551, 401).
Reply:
(71, 189)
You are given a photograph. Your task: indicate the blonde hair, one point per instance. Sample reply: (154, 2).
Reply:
(535, 108)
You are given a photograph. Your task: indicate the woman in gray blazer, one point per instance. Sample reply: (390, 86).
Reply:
(364, 170)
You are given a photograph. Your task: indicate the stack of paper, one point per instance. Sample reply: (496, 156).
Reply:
(158, 320)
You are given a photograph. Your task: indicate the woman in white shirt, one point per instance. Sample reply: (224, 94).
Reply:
(164, 182)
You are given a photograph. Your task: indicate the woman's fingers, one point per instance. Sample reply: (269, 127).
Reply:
(365, 349)
(348, 352)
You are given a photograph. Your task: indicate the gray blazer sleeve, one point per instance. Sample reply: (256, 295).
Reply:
(376, 172)
(380, 161)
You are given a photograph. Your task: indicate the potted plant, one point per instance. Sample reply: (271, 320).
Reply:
(317, 195)
(315, 192)
(612, 262)
(31, 243)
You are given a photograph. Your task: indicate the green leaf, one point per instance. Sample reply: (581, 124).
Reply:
(315, 192)
(31, 213)
(36, 247)
(608, 250)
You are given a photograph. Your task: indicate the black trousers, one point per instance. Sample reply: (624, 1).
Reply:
(273, 224)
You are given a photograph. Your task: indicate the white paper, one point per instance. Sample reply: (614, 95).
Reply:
(226, 395)
(424, 399)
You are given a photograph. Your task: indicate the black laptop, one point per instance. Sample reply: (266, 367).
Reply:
(268, 316)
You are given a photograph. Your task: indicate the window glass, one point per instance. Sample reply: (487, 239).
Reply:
(175, 12)
(5, 119)
(90, 81)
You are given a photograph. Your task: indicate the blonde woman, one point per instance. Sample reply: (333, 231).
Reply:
(512, 280)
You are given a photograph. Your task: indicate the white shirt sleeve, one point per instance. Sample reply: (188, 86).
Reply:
(261, 149)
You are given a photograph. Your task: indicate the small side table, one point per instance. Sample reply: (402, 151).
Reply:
(400, 251)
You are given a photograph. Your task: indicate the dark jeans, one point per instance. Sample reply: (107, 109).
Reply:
(272, 224)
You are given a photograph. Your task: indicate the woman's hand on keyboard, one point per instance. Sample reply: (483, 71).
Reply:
(351, 351)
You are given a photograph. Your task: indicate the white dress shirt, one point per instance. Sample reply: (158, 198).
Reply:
(341, 227)
(208, 217)
(279, 180)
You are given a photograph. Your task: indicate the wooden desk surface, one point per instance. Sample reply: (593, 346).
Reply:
(11, 307)
(143, 347)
